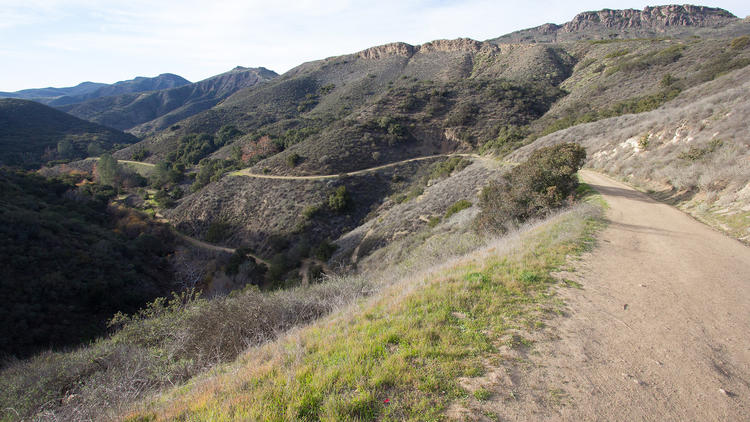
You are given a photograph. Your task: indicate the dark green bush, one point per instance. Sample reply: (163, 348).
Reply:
(218, 231)
(226, 134)
(140, 154)
(293, 159)
(462, 115)
(446, 168)
(532, 189)
(324, 251)
(339, 200)
(508, 138)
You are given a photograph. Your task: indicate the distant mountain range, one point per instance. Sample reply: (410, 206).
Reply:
(143, 113)
(89, 90)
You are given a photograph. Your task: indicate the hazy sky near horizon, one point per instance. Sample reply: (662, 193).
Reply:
(65, 42)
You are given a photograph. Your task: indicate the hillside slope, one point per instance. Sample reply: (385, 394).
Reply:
(32, 134)
(693, 151)
(390, 102)
(143, 113)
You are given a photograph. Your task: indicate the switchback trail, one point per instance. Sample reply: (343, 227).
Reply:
(658, 331)
(246, 172)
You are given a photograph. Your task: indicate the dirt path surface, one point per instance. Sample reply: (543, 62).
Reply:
(659, 331)
(246, 172)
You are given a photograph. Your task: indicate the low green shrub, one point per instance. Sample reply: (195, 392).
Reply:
(456, 207)
(293, 159)
(696, 153)
(740, 43)
(532, 189)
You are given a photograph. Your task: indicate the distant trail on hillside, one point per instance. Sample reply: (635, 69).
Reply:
(246, 172)
(205, 245)
(659, 329)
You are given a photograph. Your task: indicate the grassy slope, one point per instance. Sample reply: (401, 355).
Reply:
(399, 355)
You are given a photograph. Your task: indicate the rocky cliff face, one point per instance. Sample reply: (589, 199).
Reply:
(658, 18)
(459, 45)
(669, 20)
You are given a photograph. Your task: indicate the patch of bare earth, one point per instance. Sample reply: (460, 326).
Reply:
(658, 331)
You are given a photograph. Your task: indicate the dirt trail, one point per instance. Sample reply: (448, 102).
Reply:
(660, 330)
(246, 172)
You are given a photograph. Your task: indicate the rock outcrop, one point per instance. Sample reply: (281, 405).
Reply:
(658, 18)
(669, 20)
(458, 45)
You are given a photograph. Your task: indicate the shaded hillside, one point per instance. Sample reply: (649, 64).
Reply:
(651, 22)
(143, 113)
(69, 263)
(88, 90)
(32, 134)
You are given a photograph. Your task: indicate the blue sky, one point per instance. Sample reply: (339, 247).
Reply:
(64, 42)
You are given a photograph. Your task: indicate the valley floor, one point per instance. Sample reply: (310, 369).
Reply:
(658, 330)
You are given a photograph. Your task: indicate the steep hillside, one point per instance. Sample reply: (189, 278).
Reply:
(32, 134)
(651, 22)
(144, 113)
(87, 90)
(693, 151)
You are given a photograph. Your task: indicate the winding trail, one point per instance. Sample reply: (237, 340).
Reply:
(205, 245)
(246, 172)
(138, 163)
(660, 330)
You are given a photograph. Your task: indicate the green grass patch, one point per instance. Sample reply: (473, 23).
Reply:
(456, 207)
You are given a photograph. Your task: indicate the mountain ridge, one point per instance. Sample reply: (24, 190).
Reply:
(147, 112)
(666, 20)
(88, 90)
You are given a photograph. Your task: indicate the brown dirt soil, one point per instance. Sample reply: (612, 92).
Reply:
(658, 331)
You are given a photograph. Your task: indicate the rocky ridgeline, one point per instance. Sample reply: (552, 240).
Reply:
(459, 45)
(656, 18)
(628, 23)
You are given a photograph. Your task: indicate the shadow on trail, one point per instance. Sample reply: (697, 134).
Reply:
(623, 193)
